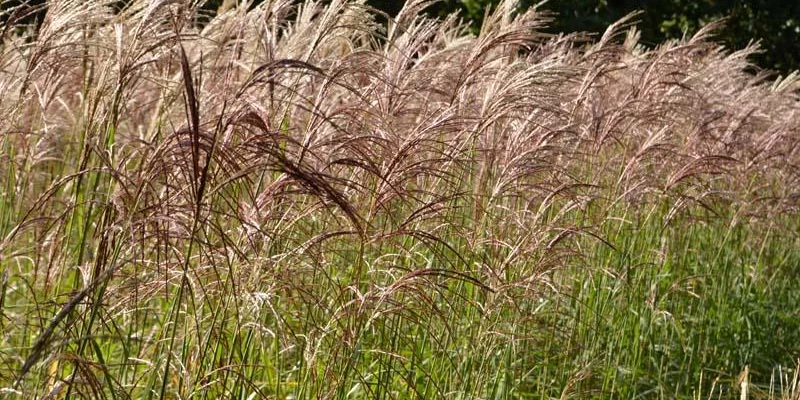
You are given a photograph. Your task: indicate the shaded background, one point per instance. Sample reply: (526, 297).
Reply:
(776, 23)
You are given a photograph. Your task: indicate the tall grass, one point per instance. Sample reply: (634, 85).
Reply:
(293, 201)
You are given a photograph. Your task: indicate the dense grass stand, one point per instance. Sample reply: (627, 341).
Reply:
(295, 201)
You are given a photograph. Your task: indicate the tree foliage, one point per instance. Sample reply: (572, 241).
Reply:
(775, 23)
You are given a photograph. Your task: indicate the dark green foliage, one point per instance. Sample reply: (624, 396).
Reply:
(775, 23)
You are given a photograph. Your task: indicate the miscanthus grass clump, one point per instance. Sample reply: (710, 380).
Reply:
(291, 200)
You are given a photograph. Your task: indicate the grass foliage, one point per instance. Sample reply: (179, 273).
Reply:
(294, 201)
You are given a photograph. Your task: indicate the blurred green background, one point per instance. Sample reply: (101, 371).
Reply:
(776, 23)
